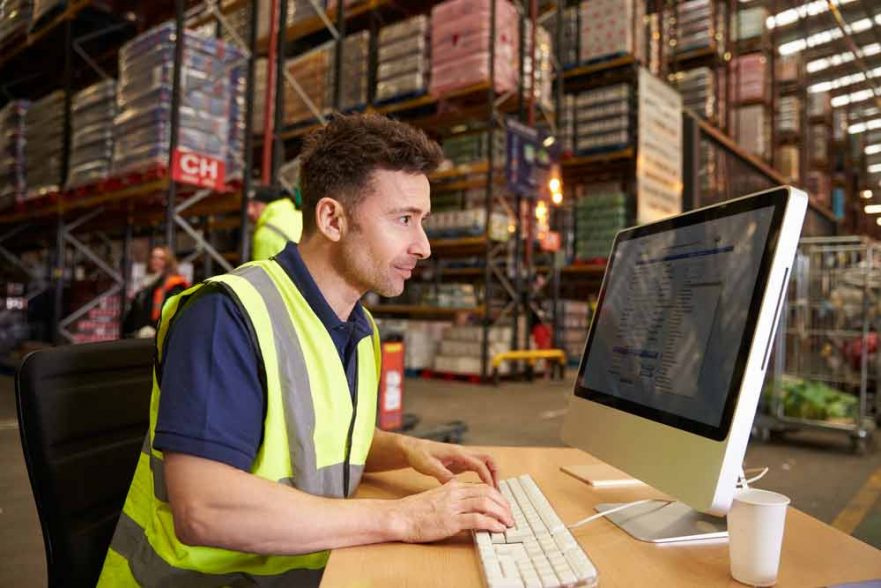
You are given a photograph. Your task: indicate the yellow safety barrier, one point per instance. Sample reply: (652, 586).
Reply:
(530, 356)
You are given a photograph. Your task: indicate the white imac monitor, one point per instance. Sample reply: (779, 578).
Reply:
(676, 354)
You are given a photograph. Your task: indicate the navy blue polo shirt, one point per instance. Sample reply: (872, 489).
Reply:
(212, 402)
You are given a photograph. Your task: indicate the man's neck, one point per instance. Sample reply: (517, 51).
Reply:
(340, 294)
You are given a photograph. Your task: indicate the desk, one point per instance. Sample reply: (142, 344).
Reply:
(814, 554)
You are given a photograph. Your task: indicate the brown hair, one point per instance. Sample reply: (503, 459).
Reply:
(170, 259)
(339, 159)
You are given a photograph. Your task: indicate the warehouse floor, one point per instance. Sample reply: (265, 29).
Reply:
(816, 471)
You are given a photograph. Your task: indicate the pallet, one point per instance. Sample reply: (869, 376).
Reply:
(601, 150)
(401, 98)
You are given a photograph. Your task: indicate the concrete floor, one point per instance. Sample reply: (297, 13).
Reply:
(816, 471)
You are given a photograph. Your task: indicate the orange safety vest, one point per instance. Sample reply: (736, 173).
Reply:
(159, 294)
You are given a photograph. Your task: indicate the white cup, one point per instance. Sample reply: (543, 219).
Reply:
(755, 536)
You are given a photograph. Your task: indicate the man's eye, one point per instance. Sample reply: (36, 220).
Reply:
(405, 219)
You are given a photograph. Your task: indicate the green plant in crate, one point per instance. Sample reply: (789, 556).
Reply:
(807, 399)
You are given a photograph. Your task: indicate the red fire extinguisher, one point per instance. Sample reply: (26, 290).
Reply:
(391, 387)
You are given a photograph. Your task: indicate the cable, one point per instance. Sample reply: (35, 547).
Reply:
(608, 512)
(744, 482)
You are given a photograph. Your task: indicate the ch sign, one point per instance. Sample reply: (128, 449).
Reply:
(198, 169)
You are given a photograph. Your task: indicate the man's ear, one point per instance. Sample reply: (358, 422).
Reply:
(330, 218)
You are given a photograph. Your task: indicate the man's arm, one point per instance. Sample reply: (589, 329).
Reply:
(217, 505)
(442, 461)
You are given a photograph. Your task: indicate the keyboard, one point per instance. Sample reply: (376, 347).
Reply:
(538, 551)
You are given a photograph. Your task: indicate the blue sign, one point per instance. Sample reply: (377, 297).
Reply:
(525, 155)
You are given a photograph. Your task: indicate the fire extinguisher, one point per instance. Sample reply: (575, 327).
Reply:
(391, 386)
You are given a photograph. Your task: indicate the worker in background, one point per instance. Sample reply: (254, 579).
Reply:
(161, 283)
(263, 416)
(276, 221)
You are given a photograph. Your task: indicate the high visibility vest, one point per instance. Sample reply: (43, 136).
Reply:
(315, 438)
(163, 290)
(280, 222)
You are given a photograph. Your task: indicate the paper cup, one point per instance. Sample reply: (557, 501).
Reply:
(755, 536)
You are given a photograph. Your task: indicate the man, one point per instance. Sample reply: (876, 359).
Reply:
(264, 396)
(276, 221)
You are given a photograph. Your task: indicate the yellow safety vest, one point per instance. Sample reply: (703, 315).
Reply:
(280, 222)
(314, 439)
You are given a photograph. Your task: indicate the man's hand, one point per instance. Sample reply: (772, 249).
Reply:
(443, 461)
(454, 507)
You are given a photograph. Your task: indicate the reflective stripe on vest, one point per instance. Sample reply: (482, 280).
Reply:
(307, 421)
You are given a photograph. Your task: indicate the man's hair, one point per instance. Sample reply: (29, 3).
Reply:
(338, 160)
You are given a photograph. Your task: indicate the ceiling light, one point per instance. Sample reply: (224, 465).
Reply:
(873, 149)
(872, 209)
(867, 194)
(818, 65)
(791, 15)
(827, 36)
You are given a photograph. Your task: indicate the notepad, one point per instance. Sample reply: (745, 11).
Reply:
(601, 475)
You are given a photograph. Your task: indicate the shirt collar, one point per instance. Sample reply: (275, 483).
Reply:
(291, 261)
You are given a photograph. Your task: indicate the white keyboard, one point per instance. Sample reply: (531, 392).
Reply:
(538, 550)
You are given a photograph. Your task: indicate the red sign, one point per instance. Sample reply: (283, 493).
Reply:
(198, 169)
(391, 387)
(551, 241)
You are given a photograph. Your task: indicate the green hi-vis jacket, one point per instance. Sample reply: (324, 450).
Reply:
(279, 223)
(315, 438)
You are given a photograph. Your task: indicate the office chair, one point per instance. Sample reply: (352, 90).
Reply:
(83, 411)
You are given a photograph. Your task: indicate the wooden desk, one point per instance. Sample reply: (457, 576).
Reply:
(814, 554)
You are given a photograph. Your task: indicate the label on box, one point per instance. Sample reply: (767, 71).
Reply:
(198, 170)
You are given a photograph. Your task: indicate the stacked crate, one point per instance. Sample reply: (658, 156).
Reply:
(612, 27)
(13, 168)
(15, 19)
(461, 347)
(404, 59)
(573, 322)
(101, 322)
(698, 89)
(44, 149)
(91, 143)
(601, 210)
(602, 118)
(460, 45)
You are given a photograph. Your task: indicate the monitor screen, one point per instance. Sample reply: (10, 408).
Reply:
(667, 342)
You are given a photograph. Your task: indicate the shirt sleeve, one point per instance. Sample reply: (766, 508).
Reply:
(212, 404)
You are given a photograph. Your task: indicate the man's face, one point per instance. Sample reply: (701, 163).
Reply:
(385, 237)
(255, 209)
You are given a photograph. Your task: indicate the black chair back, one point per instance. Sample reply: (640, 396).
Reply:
(83, 411)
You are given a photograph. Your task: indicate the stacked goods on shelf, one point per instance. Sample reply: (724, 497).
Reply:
(452, 295)
(566, 127)
(612, 27)
(819, 145)
(753, 129)
(751, 23)
(101, 323)
(788, 68)
(461, 347)
(421, 340)
(839, 125)
(14, 327)
(312, 71)
(573, 320)
(470, 222)
(460, 45)
(654, 59)
(404, 59)
(695, 26)
(601, 210)
(470, 148)
(819, 188)
(211, 99)
(788, 115)
(91, 142)
(15, 18)
(698, 89)
(749, 78)
(356, 53)
(45, 145)
(544, 96)
(569, 42)
(819, 105)
(788, 162)
(602, 118)
(13, 170)
(259, 95)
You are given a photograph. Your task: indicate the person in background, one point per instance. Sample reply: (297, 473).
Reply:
(161, 283)
(276, 221)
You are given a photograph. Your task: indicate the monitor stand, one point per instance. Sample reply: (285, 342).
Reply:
(662, 521)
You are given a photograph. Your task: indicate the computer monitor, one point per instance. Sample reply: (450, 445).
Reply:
(677, 350)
